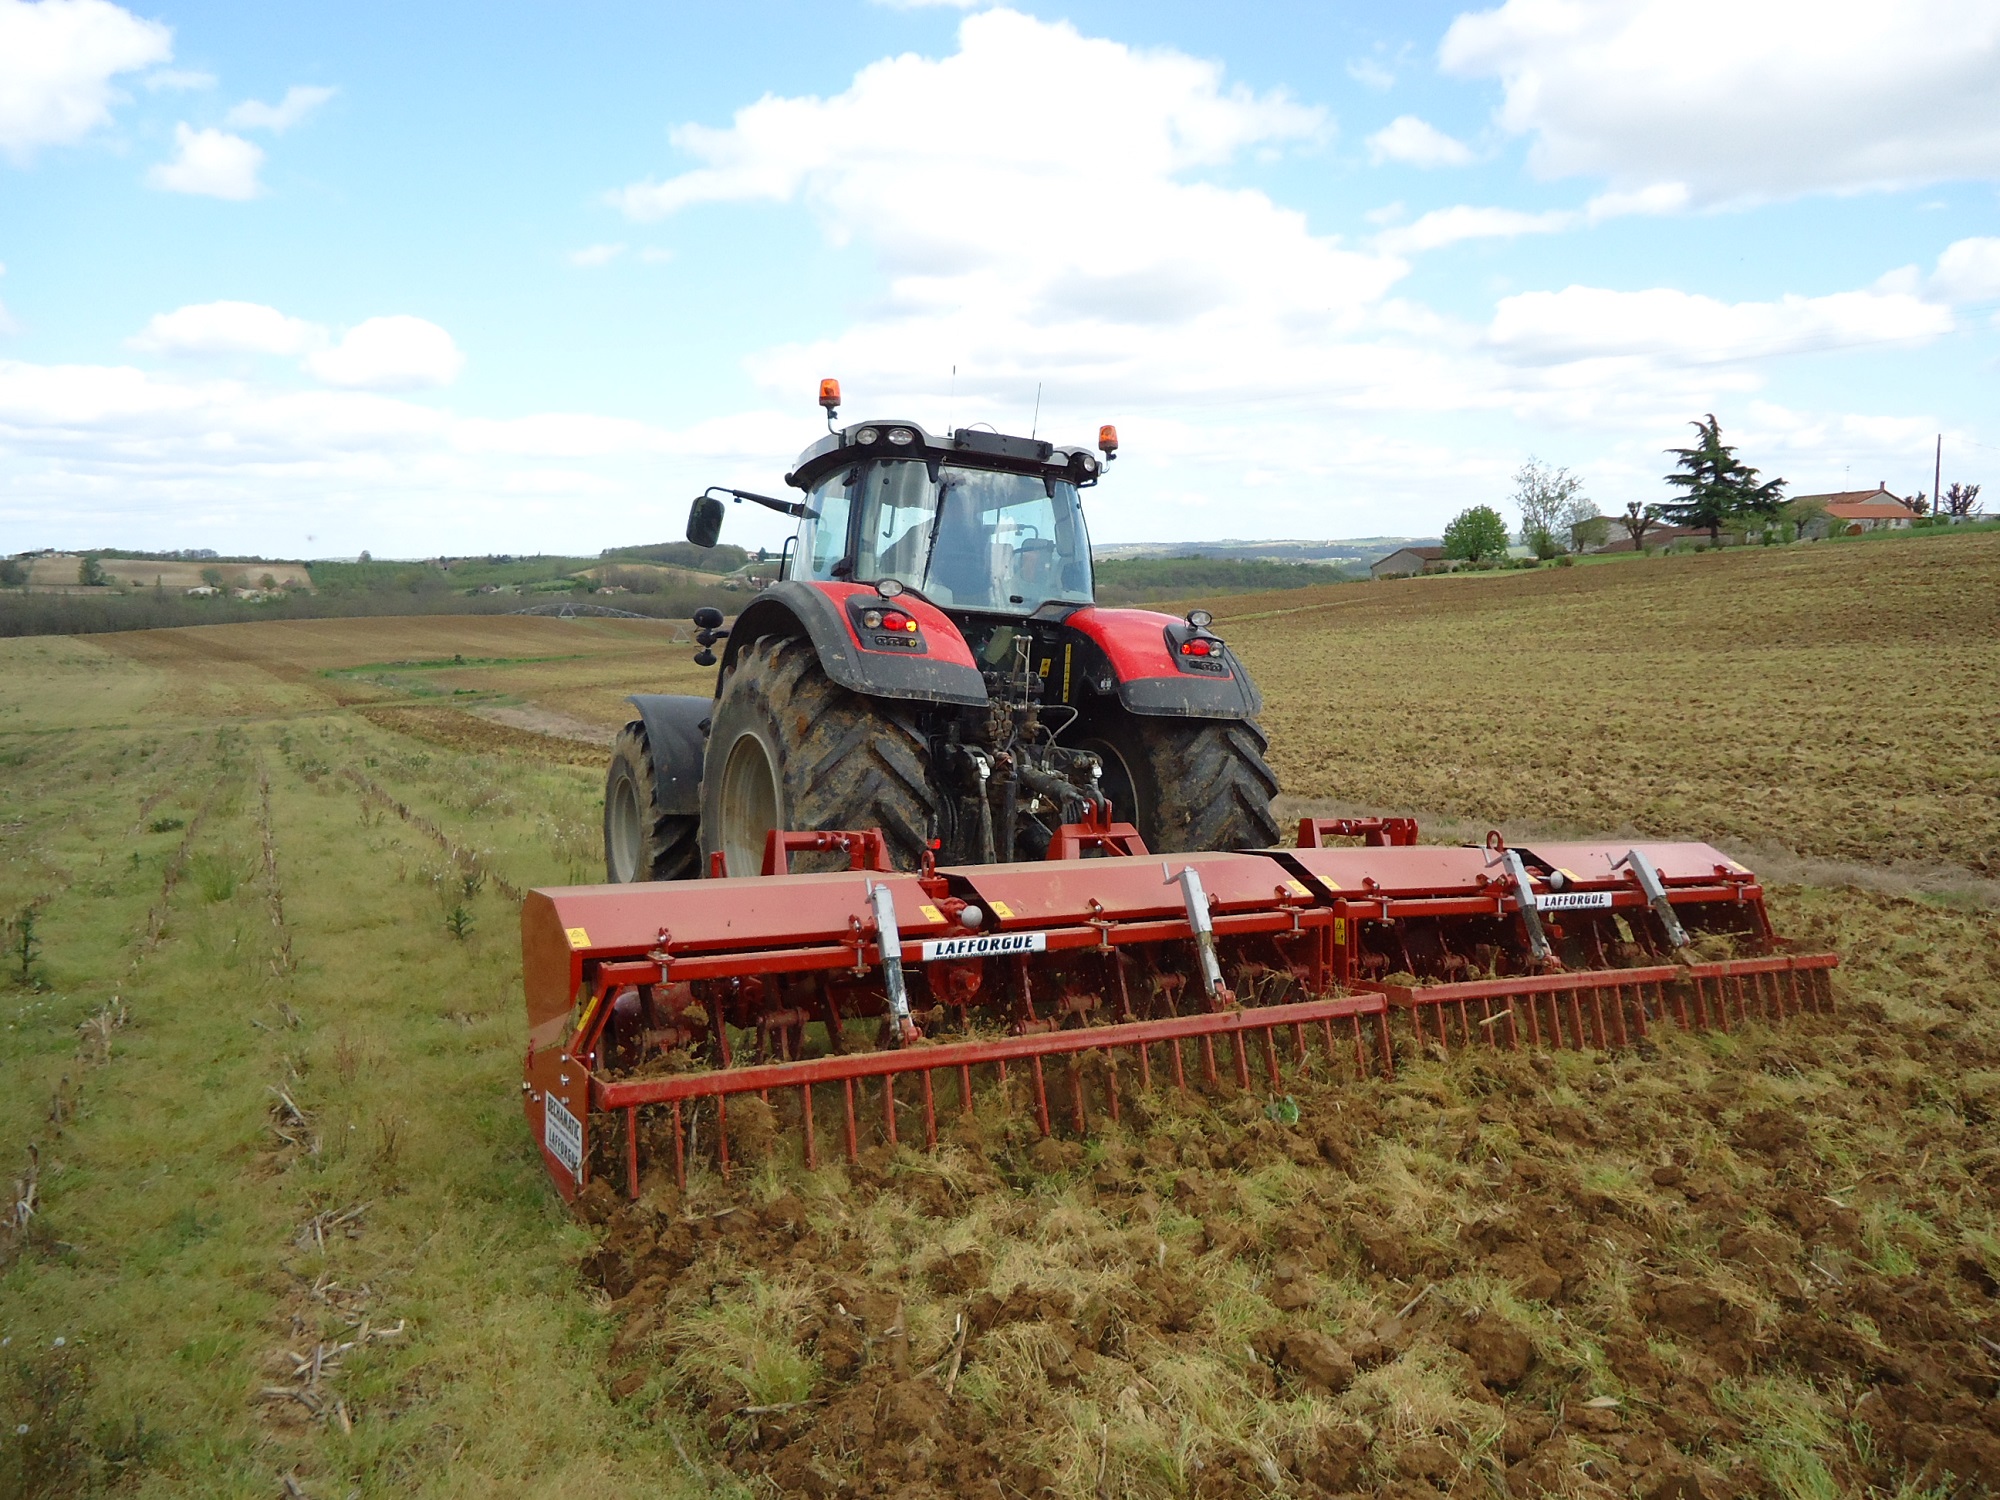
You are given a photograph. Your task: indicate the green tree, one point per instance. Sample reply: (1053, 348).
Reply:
(12, 574)
(1476, 533)
(1637, 521)
(1801, 513)
(1589, 531)
(1550, 502)
(212, 576)
(90, 573)
(1716, 488)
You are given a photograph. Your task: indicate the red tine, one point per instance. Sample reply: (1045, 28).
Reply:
(632, 1150)
(680, 1151)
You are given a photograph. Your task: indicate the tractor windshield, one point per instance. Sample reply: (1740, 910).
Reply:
(976, 539)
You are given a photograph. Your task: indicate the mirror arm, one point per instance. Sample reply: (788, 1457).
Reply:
(783, 507)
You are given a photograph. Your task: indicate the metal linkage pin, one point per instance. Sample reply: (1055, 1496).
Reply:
(1196, 900)
(1648, 876)
(1524, 896)
(889, 938)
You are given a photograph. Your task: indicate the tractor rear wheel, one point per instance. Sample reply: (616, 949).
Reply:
(640, 841)
(790, 749)
(1188, 784)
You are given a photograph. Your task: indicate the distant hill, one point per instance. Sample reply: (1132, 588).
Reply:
(1353, 551)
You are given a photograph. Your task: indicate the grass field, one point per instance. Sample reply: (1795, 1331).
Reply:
(263, 1035)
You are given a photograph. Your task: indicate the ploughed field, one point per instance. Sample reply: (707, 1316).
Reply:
(290, 1229)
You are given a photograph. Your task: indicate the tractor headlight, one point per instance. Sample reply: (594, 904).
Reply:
(867, 435)
(1201, 619)
(902, 437)
(872, 618)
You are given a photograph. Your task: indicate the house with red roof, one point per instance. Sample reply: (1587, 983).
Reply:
(1851, 512)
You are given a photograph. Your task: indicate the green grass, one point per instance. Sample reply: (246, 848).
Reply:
(166, 1256)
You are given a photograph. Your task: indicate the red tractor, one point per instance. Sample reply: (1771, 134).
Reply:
(932, 662)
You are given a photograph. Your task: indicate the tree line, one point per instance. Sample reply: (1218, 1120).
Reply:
(1712, 490)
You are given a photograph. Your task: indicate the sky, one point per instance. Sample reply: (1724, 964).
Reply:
(427, 278)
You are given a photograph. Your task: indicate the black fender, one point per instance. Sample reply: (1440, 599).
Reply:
(677, 731)
(795, 607)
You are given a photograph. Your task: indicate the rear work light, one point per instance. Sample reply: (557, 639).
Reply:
(895, 619)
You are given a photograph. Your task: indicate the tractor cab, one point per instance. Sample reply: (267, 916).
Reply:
(977, 522)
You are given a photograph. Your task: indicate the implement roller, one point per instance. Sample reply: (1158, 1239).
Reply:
(861, 1005)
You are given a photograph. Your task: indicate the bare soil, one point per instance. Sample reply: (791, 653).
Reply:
(1754, 1264)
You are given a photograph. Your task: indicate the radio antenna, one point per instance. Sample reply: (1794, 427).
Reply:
(1036, 425)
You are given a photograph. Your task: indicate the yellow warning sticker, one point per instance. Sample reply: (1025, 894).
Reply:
(578, 938)
(931, 913)
(1569, 875)
(1340, 932)
(1298, 888)
(1332, 885)
(1002, 910)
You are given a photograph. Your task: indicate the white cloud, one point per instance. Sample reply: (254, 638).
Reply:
(177, 80)
(1969, 271)
(226, 328)
(390, 354)
(211, 163)
(1591, 323)
(1120, 270)
(1022, 101)
(1448, 226)
(1417, 143)
(1737, 100)
(929, 4)
(656, 255)
(300, 100)
(57, 60)
(1369, 73)
(593, 256)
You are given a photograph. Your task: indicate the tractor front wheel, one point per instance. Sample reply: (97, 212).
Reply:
(640, 841)
(1188, 784)
(790, 749)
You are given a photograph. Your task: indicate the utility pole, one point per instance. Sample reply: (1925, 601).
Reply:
(1937, 478)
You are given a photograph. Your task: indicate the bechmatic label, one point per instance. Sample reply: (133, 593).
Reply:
(562, 1132)
(1571, 900)
(986, 945)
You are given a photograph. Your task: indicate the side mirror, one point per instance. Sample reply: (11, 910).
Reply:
(705, 521)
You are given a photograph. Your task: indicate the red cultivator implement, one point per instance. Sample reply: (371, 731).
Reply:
(860, 1005)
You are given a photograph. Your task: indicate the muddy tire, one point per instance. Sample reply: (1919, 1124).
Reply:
(790, 749)
(640, 841)
(1188, 783)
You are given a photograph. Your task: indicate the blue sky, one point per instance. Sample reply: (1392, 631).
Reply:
(420, 278)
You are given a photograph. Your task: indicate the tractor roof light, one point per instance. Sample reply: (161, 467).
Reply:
(1201, 619)
(867, 435)
(829, 394)
(1107, 440)
(888, 588)
(902, 437)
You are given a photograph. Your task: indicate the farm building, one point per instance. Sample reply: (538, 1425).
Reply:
(1851, 512)
(1406, 561)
